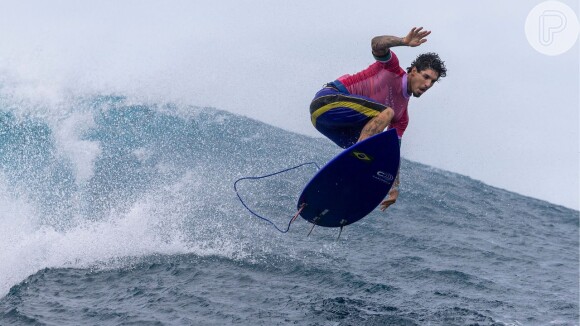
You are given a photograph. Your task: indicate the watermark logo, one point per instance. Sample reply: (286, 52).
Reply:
(552, 28)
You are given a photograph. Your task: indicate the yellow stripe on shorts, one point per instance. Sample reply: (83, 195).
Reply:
(355, 106)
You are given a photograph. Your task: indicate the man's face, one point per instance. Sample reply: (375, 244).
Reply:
(420, 81)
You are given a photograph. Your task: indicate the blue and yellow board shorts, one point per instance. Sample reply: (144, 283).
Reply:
(341, 116)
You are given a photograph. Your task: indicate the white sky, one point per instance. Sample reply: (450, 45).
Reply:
(506, 115)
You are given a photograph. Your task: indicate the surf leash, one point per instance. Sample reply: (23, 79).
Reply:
(267, 176)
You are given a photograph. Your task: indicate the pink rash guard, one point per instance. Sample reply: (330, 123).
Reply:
(384, 82)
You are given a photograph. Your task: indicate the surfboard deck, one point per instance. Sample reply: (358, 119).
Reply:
(352, 184)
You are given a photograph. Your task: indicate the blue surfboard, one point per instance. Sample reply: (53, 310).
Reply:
(353, 183)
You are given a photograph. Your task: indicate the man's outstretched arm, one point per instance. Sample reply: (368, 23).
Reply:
(382, 44)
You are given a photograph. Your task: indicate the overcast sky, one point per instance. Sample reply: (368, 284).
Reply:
(506, 114)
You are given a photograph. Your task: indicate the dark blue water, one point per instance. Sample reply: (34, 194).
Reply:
(116, 213)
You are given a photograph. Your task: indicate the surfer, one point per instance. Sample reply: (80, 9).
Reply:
(355, 107)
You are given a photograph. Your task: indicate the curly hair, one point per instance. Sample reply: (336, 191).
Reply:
(429, 60)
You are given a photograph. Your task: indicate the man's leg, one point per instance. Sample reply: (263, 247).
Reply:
(342, 117)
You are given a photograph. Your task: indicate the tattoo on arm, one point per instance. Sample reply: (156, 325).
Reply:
(373, 127)
(381, 44)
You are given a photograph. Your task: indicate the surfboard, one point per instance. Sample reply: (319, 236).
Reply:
(353, 184)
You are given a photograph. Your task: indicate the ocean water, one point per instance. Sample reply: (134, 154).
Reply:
(117, 212)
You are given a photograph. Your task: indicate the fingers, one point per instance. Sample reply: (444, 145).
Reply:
(416, 36)
(385, 204)
(419, 32)
(384, 207)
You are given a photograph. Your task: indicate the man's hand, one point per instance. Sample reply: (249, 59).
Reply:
(381, 44)
(416, 37)
(393, 194)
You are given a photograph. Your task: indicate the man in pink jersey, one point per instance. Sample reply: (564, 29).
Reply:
(355, 107)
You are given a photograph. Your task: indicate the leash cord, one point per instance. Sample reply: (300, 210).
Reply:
(266, 176)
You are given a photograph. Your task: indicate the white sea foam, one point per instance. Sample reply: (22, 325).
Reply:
(153, 225)
(70, 143)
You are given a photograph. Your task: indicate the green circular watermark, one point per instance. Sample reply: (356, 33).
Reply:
(552, 28)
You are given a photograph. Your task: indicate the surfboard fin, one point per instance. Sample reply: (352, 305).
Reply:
(339, 232)
(343, 222)
(312, 228)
